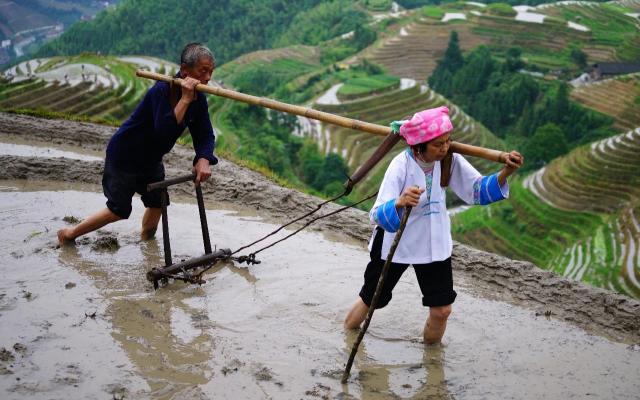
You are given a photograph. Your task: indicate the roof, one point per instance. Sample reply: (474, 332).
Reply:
(617, 68)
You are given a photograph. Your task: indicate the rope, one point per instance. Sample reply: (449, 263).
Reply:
(318, 207)
(252, 255)
(187, 277)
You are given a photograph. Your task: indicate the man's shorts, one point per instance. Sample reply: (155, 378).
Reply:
(435, 279)
(119, 187)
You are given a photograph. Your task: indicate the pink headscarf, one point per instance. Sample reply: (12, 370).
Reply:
(426, 125)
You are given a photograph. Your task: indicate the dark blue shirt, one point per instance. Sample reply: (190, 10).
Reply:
(152, 131)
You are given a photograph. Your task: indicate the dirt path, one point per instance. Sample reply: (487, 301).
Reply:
(522, 283)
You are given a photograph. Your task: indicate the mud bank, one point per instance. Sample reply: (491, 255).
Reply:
(593, 309)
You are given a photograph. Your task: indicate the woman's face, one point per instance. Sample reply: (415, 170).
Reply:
(437, 148)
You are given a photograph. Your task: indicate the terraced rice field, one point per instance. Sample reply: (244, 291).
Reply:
(88, 85)
(619, 98)
(610, 27)
(416, 50)
(578, 216)
(356, 147)
(612, 35)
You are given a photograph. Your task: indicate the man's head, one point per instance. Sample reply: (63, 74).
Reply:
(197, 61)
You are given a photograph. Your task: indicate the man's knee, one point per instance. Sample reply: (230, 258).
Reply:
(440, 313)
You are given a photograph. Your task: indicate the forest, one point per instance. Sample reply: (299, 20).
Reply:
(526, 112)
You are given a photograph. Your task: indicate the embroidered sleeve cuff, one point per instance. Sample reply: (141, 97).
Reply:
(487, 190)
(386, 216)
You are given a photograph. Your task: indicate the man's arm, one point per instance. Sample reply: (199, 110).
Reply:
(189, 95)
(203, 137)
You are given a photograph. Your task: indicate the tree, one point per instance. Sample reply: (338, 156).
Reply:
(547, 143)
(561, 104)
(514, 62)
(578, 57)
(440, 79)
(363, 36)
(333, 169)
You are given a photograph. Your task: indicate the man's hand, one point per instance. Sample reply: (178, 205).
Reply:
(410, 197)
(189, 89)
(202, 169)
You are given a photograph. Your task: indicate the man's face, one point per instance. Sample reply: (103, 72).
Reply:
(202, 71)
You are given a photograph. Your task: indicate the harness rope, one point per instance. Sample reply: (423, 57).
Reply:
(250, 258)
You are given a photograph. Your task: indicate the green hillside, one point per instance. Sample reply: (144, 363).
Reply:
(230, 28)
(617, 97)
(602, 31)
(101, 88)
(578, 216)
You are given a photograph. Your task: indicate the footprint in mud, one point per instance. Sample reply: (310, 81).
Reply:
(116, 391)
(232, 367)
(6, 358)
(6, 355)
(264, 374)
(319, 390)
(70, 219)
(68, 375)
(200, 320)
(106, 243)
(19, 348)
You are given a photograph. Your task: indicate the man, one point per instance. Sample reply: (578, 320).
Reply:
(134, 153)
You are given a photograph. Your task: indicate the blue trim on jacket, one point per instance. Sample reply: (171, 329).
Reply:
(387, 216)
(487, 190)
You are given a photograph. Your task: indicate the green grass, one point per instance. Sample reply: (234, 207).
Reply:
(378, 5)
(46, 114)
(541, 231)
(501, 9)
(360, 86)
(433, 12)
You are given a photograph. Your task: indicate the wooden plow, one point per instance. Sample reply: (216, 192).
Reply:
(181, 270)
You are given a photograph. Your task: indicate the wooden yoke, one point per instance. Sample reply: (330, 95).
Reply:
(363, 170)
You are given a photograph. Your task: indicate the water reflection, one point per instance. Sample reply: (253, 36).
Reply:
(167, 340)
(23, 150)
(425, 380)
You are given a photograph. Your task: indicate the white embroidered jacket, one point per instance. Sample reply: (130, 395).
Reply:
(427, 236)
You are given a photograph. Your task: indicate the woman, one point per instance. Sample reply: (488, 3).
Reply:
(413, 179)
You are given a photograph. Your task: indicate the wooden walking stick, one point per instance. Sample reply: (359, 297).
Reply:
(377, 293)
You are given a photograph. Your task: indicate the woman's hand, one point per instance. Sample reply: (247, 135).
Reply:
(410, 197)
(512, 162)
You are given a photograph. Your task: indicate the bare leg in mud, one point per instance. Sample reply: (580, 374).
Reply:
(150, 221)
(436, 324)
(433, 329)
(90, 224)
(356, 315)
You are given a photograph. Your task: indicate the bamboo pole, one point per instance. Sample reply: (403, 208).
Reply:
(456, 147)
(376, 294)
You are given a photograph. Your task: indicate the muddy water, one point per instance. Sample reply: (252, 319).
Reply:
(15, 146)
(82, 322)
